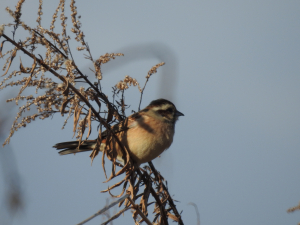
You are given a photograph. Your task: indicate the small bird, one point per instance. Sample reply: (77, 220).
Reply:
(146, 134)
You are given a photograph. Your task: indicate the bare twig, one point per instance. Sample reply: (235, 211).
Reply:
(197, 212)
(116, 215)
(150, 73)
(104, 209)
(136, 207)
(156, 197)
(293, 209)
(171, 202)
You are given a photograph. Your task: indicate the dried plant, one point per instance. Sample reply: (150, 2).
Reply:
(54, 75)
(293, 209)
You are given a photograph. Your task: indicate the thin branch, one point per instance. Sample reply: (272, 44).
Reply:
(150, 73)
(136, 207)
(171, 202)
(156, 197)
(50, 43)
(142, 92)
(115, 216)
(104, 209)
(73, 89)
(197, 212)
(78, 102)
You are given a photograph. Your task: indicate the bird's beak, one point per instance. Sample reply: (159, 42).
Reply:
(177, 113)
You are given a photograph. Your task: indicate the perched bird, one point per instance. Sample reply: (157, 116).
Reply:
(146, 134)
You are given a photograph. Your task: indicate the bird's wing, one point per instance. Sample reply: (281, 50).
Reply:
(124, 125)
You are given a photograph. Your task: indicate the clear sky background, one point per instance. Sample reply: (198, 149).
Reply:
(232, 67)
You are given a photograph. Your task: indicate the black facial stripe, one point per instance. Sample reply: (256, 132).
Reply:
(170, 110)
(165, 113)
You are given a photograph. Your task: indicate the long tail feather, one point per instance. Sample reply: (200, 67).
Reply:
(71, 147)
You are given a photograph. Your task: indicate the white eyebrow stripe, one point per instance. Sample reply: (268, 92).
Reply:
(162, 107)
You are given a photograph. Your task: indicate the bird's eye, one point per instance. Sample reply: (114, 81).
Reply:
(170, 110)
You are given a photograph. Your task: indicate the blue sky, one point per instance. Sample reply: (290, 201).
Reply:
(232, 67)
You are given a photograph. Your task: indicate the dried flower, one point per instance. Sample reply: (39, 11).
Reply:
(51, 57)
(123, 85)
(154, 69)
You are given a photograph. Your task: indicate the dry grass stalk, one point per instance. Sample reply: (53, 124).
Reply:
(54, 76)
(293, 209)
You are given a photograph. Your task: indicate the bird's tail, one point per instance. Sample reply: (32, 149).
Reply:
(71, 147)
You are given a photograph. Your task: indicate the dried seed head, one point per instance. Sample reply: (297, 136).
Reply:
(1, 29)
(154, 69)
(128, 81)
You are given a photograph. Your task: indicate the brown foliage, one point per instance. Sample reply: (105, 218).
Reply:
(55, 75)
